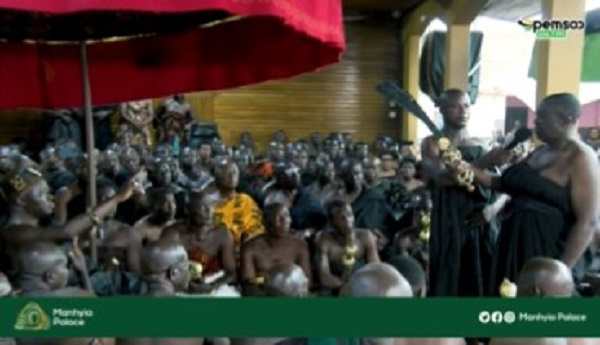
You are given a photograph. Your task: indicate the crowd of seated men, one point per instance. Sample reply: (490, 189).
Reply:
(304, 218)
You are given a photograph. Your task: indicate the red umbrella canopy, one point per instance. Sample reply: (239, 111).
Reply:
(140, 49)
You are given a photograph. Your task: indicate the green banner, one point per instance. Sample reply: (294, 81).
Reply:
(311, 317)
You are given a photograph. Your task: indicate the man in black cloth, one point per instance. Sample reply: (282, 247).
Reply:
(370, 208)
(307, 213)
(460, 253)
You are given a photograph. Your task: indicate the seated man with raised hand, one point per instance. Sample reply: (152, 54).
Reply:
(545, 277)
(342, 249)
(31, 201)
(165, 268)
(277, 246)
(43, 272)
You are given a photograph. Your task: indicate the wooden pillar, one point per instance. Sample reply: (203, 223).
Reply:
(411, 83)
(459, 16)
(456, 69)
(560, 60)
(416, 25)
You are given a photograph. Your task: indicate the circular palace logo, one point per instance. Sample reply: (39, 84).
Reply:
(32, 318)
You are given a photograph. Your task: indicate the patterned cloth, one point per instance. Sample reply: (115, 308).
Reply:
(241, 215)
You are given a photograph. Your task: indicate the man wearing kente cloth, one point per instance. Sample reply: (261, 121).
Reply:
(208, 245)
(460, 251)
(43, 272)
(371, 211)
(138, 117)
(235, 211)
(342, 249)
(277, 246)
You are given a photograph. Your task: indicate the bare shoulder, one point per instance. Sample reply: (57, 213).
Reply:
(173, 230)
(142, 222)
(255, 242)
(585, 152)
(177, 226)
(298, 242)
(128, 232)
(364, 234)
(223, 233)
(323, 238)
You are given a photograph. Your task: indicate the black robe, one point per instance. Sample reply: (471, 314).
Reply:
(460, 254)
(371, 211)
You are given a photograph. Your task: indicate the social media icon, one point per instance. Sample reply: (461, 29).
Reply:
(484, 317)
(510, 317)
(497, 317)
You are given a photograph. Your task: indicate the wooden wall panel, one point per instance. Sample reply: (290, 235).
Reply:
(337, 98)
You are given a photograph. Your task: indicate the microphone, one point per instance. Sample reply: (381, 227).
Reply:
(521, 135)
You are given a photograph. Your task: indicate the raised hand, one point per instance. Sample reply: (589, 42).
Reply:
(77, 258)
(133, 187)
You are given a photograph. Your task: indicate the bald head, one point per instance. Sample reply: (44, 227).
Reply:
(412, 270)
(286, 280)
(42, 268)
(160, 256)
(5, 287)
(566, 104)
(545, 277)
(377, 280)
(451, 94)
(38, 257)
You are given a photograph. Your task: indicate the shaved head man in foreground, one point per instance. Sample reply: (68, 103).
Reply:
(43, 272)
(545, 277)
(383, 280)
(165, 268)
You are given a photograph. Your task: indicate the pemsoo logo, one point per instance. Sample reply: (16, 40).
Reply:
(32, 318)
(552, 29)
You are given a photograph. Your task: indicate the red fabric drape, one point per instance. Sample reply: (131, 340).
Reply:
(275, 39)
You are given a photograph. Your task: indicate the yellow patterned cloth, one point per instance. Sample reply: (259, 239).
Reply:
(241, 215)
